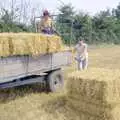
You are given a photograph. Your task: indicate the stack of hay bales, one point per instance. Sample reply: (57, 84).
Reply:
(96, 92)
(4, 45)
(54, 43)
(28, 44)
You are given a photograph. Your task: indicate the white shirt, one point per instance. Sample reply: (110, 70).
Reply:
(82, 50)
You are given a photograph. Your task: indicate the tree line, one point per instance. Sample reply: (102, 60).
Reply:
(103, 27)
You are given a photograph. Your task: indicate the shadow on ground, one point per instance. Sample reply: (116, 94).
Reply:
(7, 95)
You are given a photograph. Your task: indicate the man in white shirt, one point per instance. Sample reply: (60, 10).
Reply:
(82, 55)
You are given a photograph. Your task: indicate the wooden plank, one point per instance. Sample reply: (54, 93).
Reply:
(40, 63)
(61, 59)
(14, 67)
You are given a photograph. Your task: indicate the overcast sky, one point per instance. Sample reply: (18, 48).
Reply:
(91, 6)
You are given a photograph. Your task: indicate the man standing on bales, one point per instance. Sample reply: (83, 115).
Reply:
(82, 55)
(46, 23)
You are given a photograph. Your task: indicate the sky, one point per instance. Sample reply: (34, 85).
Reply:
(90, 6)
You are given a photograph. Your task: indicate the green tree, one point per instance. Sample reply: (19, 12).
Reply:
(64, 22)
(8, 23)
(117, 11)
(83, 26)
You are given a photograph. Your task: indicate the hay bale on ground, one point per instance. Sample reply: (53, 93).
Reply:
(95, 84)
(96, 92)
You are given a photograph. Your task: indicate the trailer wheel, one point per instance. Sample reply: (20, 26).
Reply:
(55, 81)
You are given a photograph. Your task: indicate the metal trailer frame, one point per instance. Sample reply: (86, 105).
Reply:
(60, 34)
(17, 70)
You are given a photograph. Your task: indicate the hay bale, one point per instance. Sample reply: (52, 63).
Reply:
(96, 84)
(28, 44)
(95, 92)
(19, 44)
(54, 43)
(4, 45)
(37, 44)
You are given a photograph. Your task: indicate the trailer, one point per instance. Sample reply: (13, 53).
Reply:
(24, 70)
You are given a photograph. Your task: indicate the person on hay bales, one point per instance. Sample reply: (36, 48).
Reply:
(46, 24)
(82, 55)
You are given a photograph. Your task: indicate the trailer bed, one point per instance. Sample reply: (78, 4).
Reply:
(16, 67)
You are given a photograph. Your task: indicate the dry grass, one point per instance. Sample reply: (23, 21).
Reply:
(105, 57)
(29, 103)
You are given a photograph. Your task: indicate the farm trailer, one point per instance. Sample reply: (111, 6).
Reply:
(24, 70)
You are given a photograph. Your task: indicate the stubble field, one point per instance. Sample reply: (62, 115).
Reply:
(33, 103)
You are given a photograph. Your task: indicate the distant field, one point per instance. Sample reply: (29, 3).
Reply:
(32, 103)
(106, 56)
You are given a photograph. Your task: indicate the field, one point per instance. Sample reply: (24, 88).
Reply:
(33, 103)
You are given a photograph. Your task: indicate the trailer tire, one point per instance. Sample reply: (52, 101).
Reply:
(55, 81)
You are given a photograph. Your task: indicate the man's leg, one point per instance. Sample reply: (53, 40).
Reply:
(85, 63)
(80, 67)
(79, 63)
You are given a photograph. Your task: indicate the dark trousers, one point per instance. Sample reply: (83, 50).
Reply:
(47, 31)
